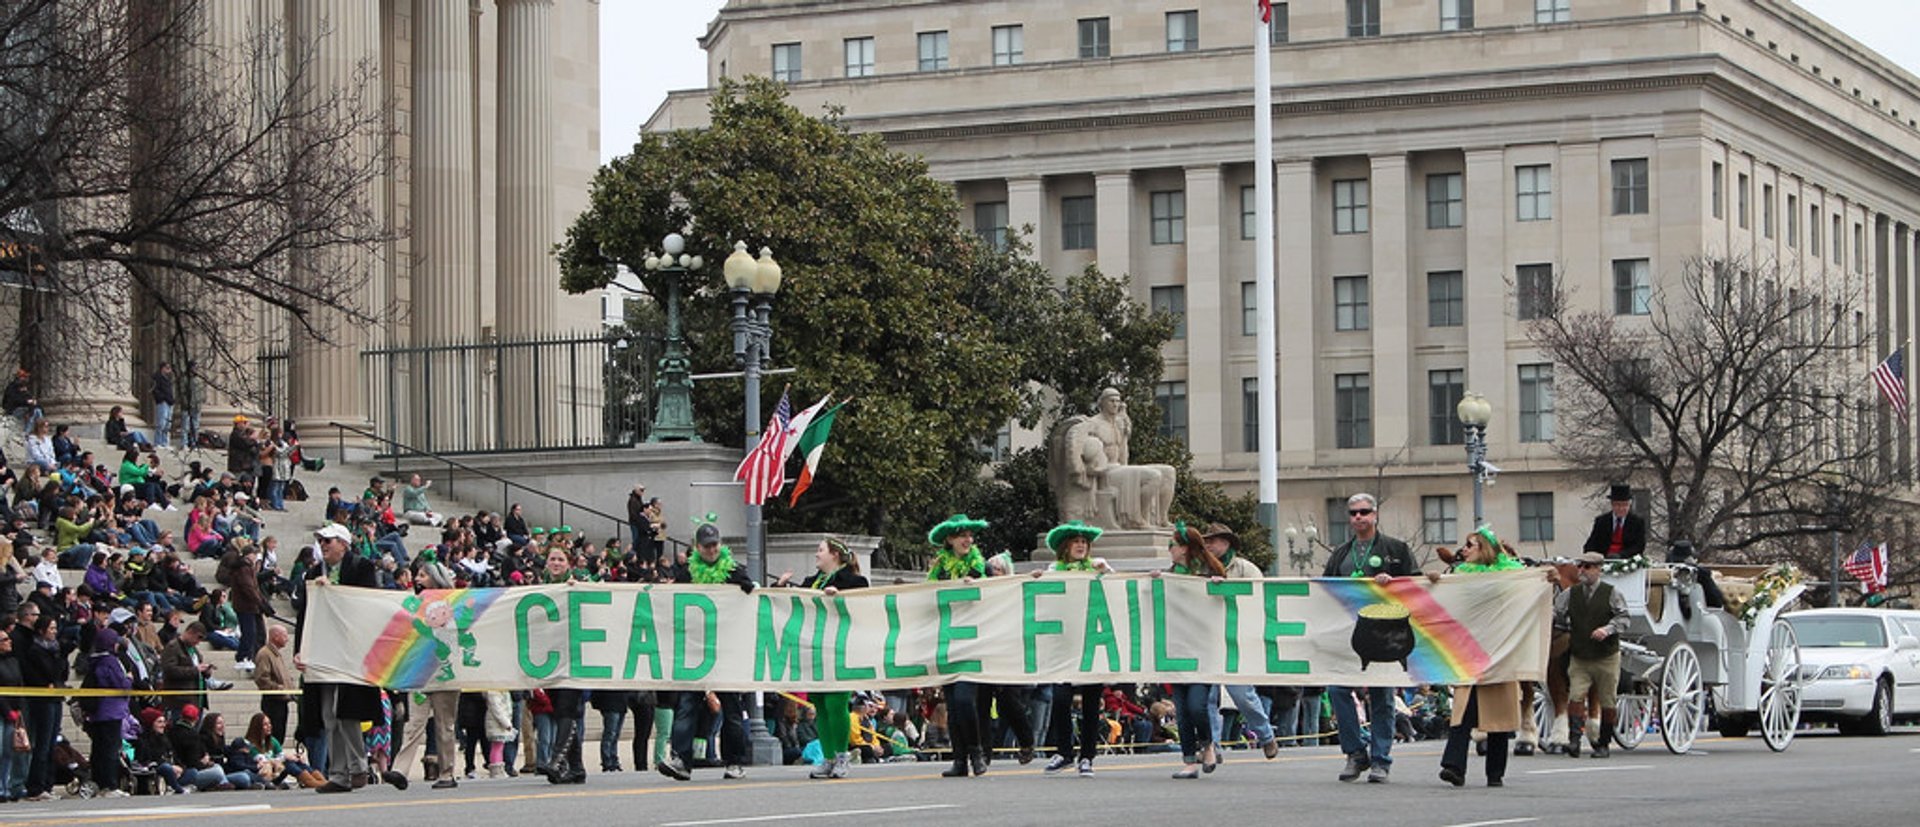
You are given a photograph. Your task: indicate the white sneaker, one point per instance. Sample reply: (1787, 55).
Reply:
(243, 665)
(172, 507)
(114, 794)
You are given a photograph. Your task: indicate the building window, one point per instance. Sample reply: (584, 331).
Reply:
(1009, 45)
(1552, 11)
(933, 51)
(1859, 247)
(1076, 222)
(786, 62)
(1350, 307)
(859, 57)
(1632, 287)
(1172, 399)
(1630, 186)
(1456, 15)
(1169, 211)
(1248, 213)
(1250, 415)
(1352, 410)
(1445, 388)
(1338, 529)
(1793, 221)
(1766, 210)
(1446, 299)
(990, 221)
(1446, 201)
(1350, 206)
(1439, 519)
(1249, 308)
(1719, 185)
(1183, 31)
(1363, 18)
(1743, 198)
(1536, 403)
(1533, 291)
(1279, 30)
(1536, 517)
(1533, 192)
(1836, 238)
(1813, 232)
(1171, 300)
(1093, 37)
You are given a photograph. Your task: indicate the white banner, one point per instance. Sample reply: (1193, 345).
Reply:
(1059, 628)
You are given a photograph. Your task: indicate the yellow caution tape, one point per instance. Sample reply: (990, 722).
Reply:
(90, 692)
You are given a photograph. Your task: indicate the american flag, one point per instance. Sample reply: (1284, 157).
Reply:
(1869, 565)
(764, 468)
(1891, 378)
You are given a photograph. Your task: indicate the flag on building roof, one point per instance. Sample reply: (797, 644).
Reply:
(1868, 565)
(813, 443)
(1891, 378)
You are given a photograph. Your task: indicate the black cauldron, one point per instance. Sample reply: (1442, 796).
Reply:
(1382, 632)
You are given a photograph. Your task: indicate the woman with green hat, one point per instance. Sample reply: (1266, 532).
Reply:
(1072, 545)
(956, 558)
(1493, 708)
(1193, 702)
(835, 570)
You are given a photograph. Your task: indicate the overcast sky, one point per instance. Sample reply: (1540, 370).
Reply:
(649, 47)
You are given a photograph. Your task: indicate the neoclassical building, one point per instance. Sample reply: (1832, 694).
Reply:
(1434, 159)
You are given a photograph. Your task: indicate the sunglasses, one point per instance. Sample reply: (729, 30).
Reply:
(1359, 512)
(1589, 565)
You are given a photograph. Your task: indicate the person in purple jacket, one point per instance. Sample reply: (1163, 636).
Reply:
(108, 715)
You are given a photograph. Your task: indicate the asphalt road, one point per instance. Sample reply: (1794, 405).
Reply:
(1822, 779)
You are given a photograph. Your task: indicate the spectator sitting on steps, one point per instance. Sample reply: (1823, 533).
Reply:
(413, 504)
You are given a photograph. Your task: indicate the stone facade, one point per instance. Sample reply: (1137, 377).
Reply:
(1400, 157)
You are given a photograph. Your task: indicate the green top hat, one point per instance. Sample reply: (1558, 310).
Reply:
(954, 524)
(1060, 534)
(537, 531)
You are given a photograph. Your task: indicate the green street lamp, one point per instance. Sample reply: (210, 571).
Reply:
(673, 390)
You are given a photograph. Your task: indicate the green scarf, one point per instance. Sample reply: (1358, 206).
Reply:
(1502, 563)
(821, 580)
(710, 573)
(1180, 568)
(972, 565)
(1067, 565)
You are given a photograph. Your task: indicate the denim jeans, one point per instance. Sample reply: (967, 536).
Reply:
(1191, 709)
(1253, 710)
(43, 723)
(162, 422)
(611, 721)
(144, 532)
(277, 494)
(250, 633)
(543, 739)
(6, 759)
(732, 724)
(1377, 744)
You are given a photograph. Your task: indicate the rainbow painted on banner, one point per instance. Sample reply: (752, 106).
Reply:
(403, 657)
(1444, 652)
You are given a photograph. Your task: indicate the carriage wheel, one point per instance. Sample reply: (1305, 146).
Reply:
(1683, 701)
(1635, 716)
(1543, 714)
(1780, 688)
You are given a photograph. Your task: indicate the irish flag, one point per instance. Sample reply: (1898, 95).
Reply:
(812, 443)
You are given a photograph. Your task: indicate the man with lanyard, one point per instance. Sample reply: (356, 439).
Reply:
(710, 564)
(1368, 554)
(1223, 543)
(342, 708)
(1618, 534)
(1593, 614)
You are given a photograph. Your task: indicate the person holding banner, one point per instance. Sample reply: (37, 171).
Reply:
(835, 570)
(1367, 554)
(710, 564)
(1493, 708)
(957, 559)
(566, 766)
(1194, 703)
(1072, 542)
(341, 708)
(1223, 544)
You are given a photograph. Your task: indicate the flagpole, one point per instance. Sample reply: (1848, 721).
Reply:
(1263, 254)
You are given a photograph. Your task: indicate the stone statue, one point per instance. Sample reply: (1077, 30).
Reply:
(1092, 481)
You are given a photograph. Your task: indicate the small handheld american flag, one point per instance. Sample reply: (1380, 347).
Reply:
(1868, 565)
(1891, 378)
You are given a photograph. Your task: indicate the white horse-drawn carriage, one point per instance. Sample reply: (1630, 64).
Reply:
(1676, 650)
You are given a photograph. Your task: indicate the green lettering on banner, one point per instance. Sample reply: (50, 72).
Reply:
(577, 635)
(773, 654)
(948, 633)
(842, 671)
(819, 638)
(1231, 591)
(1162, 661)
(1100, 633)
(1031, 626)
(683, 601)
(524, 639)
(1277, 629)
(642, 640)
(1133, 625)
(890, 656)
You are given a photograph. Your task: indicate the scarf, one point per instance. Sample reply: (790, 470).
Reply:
(1073, 565)
(1181, 568)
(711, 573)
(821, 580)
(1502, 563)
(954, 568)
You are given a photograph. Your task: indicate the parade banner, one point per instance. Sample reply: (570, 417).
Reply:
(1058, 628)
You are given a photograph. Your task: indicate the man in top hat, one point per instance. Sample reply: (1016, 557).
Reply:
(1593, 614)
(1618, 534)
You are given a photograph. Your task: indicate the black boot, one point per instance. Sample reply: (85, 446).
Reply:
(979, 761)
(959, 768)
(1574, 727)
(1600, 748)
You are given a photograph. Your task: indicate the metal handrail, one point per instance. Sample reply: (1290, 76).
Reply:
(506, 486)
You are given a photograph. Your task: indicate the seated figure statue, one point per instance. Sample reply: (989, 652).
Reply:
(1092, 480)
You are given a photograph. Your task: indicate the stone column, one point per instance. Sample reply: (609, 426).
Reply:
(1484, 285)
(335, 45)
(1113, 222)
(1294, 278)
(85, 341)
(1207, 328)
(528, 280)
(1394, 396)
(1027, 207)
(443, 288)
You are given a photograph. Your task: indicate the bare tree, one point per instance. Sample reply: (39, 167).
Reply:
(144, 159)
(1741, 403)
